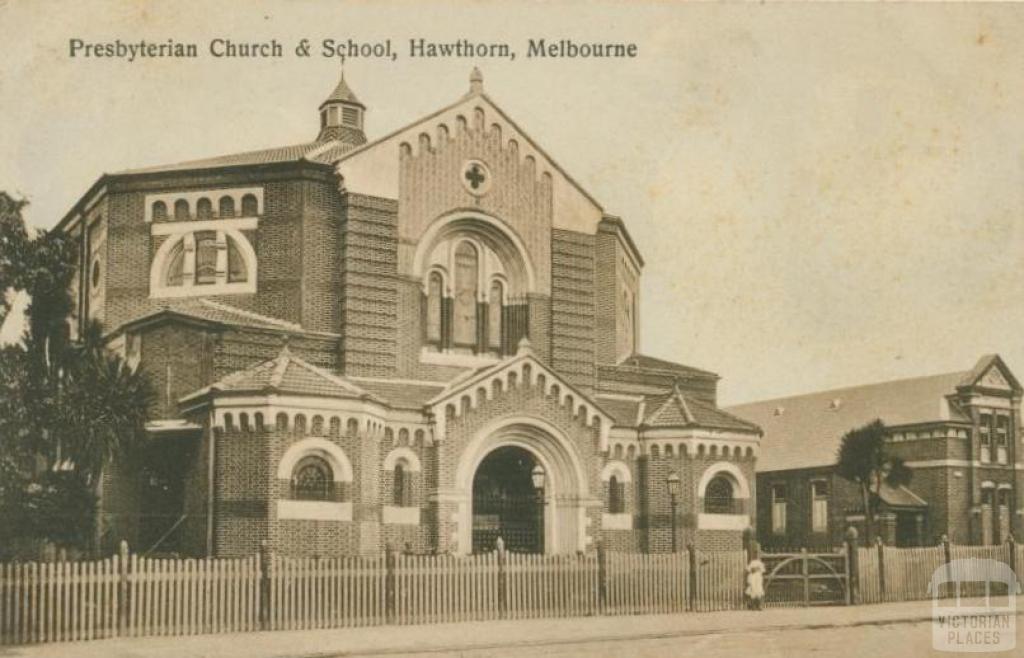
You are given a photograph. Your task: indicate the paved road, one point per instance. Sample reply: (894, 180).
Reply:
(903, 640)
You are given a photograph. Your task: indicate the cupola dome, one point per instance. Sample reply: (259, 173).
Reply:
(341, 116)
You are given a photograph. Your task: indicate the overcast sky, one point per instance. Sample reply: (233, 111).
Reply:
(824, 195)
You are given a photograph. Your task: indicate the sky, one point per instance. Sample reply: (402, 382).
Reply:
(824, 195)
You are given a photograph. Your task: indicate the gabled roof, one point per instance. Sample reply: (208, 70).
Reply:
(644, 362)
(804, 431)
(522, 365)
(288, 374)
(211, 312)
(991, 372)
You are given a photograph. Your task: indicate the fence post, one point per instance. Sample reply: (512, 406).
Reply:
(805, 572)
(852, 567)
(502, 579)
(947, 553)
(881, 565)
(1011, 545)
(122, 588)
(602, 578)
(265, 560)
(389, 583)
(693, 575)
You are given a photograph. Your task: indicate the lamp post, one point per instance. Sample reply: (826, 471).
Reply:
(673, 494)
(538, 476)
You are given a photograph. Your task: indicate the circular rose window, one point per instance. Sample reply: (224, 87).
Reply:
(476, 177)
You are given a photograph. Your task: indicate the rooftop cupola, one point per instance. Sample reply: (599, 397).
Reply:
(341, 116)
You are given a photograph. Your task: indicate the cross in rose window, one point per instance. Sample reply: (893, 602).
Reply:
(475, 175)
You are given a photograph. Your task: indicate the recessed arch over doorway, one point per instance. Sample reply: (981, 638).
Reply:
(565, 495)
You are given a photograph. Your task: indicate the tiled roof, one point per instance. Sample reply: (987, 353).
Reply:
(286, 373)
(320, 152)
(342, 93)
(675, 410)
(644, 362)
(624, 412)
(804, 430)
(899, 496)
(404, 395)
(211, 311)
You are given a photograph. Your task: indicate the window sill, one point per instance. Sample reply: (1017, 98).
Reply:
(617, 521)
(400, 515)
(723, 521)
(203, 290)
(314, 510)
(431, 356)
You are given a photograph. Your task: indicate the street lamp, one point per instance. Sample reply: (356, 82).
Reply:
(538, 476)
(673, 493)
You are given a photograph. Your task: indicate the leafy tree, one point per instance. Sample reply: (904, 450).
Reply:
(863, 459)
(13, 238)
(68, 408)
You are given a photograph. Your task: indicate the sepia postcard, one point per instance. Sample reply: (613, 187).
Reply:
(478, 328)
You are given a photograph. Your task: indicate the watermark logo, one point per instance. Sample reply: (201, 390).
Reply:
(974, 606)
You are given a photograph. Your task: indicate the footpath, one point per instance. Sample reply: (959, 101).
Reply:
(469, 636)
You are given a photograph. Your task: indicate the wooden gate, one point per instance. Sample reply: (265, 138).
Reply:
(804, 579)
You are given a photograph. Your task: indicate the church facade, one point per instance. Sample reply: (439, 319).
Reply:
(427, 340)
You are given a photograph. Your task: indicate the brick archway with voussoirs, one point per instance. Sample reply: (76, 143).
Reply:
(566, 490)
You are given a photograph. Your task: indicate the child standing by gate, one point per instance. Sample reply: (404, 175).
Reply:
(755, 579)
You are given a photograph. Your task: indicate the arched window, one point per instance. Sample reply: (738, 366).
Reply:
(249, 206)
(180, 209)
(175, 266)
(159, 211)
(435, 291)
(718, 497)
(467, 269)
(206, 257)
(312, 479)
(204, 209)
(616, 496)
(402, 491)
(237, 271)
(494, 310)
(226, 207)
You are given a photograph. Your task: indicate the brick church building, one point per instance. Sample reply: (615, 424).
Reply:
(427, 340)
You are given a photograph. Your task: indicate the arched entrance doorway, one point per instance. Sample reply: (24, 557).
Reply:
(507, 502)
(506, 451)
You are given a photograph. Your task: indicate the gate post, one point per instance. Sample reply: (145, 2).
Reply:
(389, 583)
(692, 552)
(502, 579)
(122, 589)
(265, 558)
(947, 553)
(805, 572)
(852, 567)
(1011, 545)
(602, 578)
(881, 565)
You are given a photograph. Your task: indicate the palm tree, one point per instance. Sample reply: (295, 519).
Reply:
(71, 407)
(862, 458)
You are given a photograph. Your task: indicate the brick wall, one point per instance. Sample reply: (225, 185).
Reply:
(370, 311)
(572, 307)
